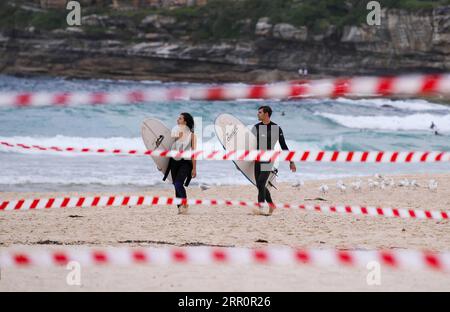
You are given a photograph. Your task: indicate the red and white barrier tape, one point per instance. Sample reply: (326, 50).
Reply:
(271, 155)
(398, 259)
(411, 85)
(124, 200)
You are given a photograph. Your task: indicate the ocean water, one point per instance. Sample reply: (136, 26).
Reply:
(328, 124)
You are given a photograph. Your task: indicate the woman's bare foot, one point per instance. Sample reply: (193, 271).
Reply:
(257, 211)
(260, 212)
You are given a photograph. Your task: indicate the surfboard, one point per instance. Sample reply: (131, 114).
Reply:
(234, 135)
(157, 136)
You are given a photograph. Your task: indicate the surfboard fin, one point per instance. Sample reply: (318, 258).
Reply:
(275, 174)
(270, 183)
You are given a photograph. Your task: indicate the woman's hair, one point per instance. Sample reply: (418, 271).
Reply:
(189, 121)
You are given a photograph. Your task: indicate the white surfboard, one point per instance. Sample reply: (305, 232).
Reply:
(234, 135)
(157, 136)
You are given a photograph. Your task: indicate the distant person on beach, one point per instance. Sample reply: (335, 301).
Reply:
(302, 72)
(267, 135)
(434, 129)
(182, 170)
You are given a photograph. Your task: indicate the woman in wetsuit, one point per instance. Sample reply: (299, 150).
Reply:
(182, 170)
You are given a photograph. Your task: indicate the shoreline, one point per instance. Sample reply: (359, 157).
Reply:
(174, 79)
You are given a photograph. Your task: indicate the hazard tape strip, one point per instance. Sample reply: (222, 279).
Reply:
(408, 85)
(147, 200)
(396, 259)
(254, 155)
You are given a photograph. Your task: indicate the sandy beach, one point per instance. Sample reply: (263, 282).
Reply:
(94, 95)
(234, 227)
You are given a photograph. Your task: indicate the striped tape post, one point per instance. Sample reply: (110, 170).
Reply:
(408, 85)
(246, 155)
(124, 200)
(396, 259)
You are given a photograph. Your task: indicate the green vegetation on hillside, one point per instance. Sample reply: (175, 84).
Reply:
(15, 17)
(222, 19)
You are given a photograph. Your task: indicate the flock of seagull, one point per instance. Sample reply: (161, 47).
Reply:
(377, 182)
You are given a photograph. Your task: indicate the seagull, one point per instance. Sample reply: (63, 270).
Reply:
(204, 186)
(432, 185)
(389, 182)
(341, 186)
(378, 176)
(356, 186)
(414, 183)
(324, 188)
(404, 182)
(373, 184)
(298, 183)
(385, 183)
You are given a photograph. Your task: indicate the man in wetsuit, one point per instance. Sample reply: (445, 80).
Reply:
(267, 135)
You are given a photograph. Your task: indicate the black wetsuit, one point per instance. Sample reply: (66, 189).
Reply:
(266, 136)
(181, 173)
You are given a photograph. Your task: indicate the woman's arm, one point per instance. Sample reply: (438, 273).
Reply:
(194, 161)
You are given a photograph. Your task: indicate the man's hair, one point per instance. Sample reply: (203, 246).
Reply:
(266, 109)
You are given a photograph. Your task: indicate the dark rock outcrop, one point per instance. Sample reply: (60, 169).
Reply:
(161, 48)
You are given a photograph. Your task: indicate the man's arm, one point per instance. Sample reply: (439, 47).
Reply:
(286, 148)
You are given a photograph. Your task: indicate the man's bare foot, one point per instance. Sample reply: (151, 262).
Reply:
(183, 209)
